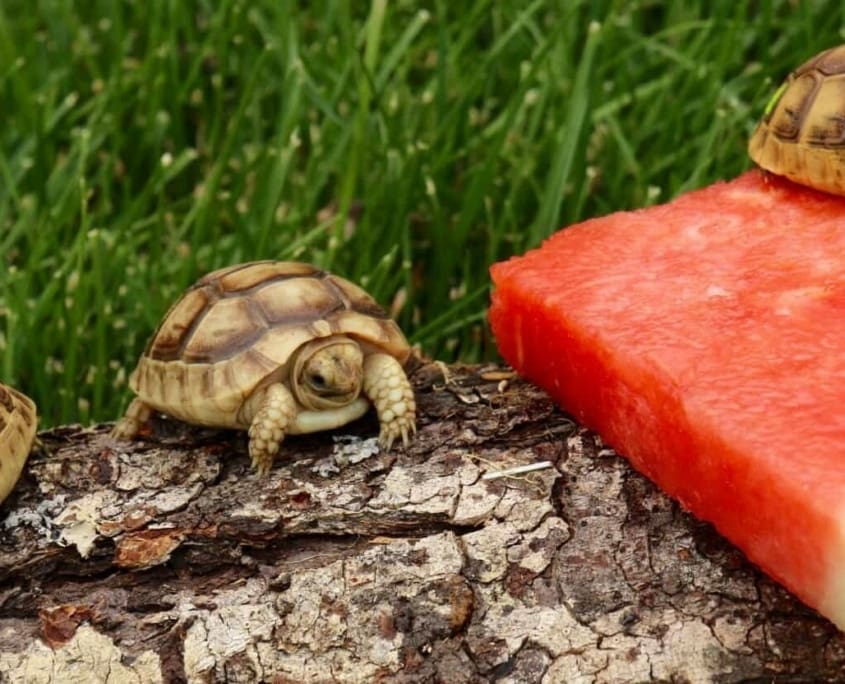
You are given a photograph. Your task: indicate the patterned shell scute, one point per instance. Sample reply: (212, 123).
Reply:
(810, 107)
(245, 276)
(16, 409)
(18, 424)
(829, 62)
(168, 341)
(268, 308)
(355, 298)
(801, 135)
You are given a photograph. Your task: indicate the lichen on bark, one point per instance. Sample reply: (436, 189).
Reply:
(167, 559)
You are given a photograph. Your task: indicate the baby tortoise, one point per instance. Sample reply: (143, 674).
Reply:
(276, 348)
(18, 423)
(802, 133)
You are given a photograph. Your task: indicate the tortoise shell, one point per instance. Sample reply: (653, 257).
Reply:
(802, 133)
(18, 422)
(236, 329)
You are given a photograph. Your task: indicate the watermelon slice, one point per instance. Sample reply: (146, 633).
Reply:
(705, 340)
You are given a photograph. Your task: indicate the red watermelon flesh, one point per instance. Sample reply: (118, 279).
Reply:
(704, 339)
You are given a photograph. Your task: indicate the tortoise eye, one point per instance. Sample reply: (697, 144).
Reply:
(318, 380)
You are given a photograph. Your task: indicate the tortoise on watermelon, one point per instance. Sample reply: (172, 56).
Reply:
(275, 348)
(802, 133)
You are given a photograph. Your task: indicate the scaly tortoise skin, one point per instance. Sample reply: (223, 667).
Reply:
(275, 348)
(18, 424)
(802, 133)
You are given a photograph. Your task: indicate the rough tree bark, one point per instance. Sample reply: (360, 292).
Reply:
(168, 560)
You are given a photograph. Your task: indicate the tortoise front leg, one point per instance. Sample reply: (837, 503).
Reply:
(276, 411)
(137, 413)
(387, 386)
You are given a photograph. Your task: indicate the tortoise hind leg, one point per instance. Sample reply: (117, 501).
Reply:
(276, 411)
(137, 413)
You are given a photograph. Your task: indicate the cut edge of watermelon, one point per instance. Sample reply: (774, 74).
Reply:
(817, 575)
(833, 603)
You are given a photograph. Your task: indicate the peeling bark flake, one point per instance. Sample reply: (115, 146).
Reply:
(167, 559)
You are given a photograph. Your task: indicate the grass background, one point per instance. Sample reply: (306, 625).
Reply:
(405, 145)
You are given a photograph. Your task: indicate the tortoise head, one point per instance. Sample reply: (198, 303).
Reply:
(327, 373)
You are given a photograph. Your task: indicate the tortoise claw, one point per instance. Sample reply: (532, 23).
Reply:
(400, 426)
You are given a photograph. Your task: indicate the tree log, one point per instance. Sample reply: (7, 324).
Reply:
(168, 560)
